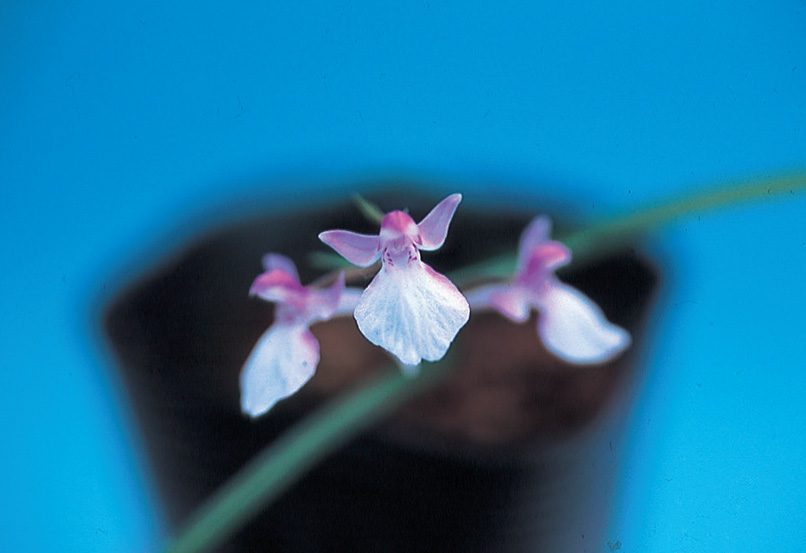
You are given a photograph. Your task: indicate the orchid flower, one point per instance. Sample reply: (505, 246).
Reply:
(285, 357)
(570, 324)
(408, 309)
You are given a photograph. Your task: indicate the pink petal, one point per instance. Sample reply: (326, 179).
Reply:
(278, 286)
(574, 328)
(542, 260)
(397, 223)
(273, 261)
(508, 299)
(553, 254)
(282, 361)
(413, 313)
(359, 249)
(434, 227)
(535, 234)
(537, 254)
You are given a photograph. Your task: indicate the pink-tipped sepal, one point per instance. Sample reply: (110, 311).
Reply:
(570, 324)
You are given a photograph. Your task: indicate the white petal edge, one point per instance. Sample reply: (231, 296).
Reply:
(573, 327)
(282, 361)
(413, 313)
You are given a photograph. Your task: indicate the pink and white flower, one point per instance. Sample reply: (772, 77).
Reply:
(408, 309)
(570, 324)
(287, 354)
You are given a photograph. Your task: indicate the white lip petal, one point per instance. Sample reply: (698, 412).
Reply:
(282, 361)
(574, 328)
(414, 313)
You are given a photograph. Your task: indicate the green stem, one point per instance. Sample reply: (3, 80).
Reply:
(282, 463)
(601, 238)
(609, 234)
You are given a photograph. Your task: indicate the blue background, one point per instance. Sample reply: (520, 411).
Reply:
(122, 129)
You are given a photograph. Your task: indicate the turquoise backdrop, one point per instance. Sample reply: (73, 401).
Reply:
(125, 127)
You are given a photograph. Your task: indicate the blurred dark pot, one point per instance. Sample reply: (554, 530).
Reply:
(514, 452)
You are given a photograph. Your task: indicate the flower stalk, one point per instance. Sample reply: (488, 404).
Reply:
(287, 459)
